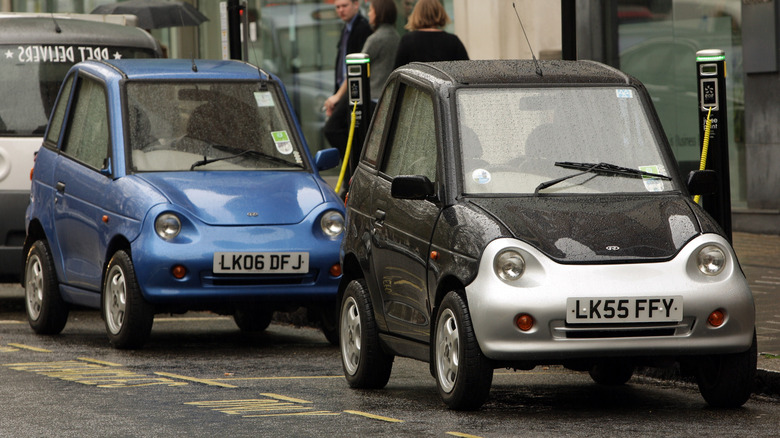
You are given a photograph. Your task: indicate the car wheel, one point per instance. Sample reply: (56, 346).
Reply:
(726, 380)
(253, 318)
(463, 374)
(47, 312)
(127, 315)
(365, 364)
(614, 372)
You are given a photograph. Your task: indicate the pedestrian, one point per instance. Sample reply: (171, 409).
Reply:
(380, 47)
(354, 34)
(427, 41)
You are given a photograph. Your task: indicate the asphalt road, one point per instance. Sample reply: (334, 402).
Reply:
(200, 377)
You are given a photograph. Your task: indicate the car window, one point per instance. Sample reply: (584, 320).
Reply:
(378, 128)
(59, 112)
(210, 125)
(412, 148)
(515, 150)
(87, 136)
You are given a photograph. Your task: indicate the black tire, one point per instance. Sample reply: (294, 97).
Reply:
(328, 317)
(614, 372)
(463, 374)
(47, 312)
(726, 380)
(365, 364)
(253, 319)
(127, 315)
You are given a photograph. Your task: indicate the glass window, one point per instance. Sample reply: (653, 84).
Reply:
(378, 128)
(657, 44)
(87, 136)
(538, 128)
(226, 125)
(59, 114)
(413, 144)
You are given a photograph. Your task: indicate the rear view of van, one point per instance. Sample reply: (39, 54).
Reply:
(36, 51)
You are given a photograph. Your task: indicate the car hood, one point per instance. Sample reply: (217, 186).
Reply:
(598, 229)
(240, 198)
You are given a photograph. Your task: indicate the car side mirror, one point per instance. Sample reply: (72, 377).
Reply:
(411, 187)
(702, 182)
(327, 159)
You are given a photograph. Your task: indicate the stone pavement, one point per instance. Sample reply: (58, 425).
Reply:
(759, 254)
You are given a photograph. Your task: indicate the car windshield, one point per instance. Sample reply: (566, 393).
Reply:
(31, 75)
(558, 140)
(204, 126)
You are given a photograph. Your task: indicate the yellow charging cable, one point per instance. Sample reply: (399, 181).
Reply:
(348, 152)
(704, 147)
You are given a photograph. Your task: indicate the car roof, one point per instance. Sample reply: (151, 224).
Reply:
(493, 72)
(186, 69)
(43, 30)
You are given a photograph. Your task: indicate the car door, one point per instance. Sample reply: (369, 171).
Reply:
(81, 182)
(402, 228)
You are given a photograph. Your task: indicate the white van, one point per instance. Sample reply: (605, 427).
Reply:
(36, 50)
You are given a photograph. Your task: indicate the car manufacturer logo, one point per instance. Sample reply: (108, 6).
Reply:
(252, 214)
(613, 248)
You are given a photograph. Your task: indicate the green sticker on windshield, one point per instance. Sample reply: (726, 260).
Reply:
(282, 142)
(653, 184)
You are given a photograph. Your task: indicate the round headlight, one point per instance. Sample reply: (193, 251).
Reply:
(711, 260)
(509, 265)
(332, 223)
(167, 226)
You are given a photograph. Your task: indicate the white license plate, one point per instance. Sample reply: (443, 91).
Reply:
(261, 262)
(620, 310)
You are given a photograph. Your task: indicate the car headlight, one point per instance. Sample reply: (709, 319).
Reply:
(509, 265)
(711, 260)
(332, 223)
(167, 226)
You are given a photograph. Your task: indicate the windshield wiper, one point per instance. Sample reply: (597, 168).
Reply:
(263, 155)
(205, 160)
(599, 169)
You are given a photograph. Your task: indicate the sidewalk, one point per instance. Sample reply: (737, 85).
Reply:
(758, 254)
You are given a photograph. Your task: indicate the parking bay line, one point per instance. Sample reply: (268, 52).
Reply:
(374, 417)
(27, 347)
(210, 382)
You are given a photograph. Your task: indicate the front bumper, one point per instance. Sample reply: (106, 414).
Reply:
(543, 290)
(154, 259)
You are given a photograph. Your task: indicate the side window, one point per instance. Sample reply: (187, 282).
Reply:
(86, 139)
(59, 112)
(412, 148)
(378, 127)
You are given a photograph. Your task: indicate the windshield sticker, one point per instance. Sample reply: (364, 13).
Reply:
(59, 54)
(653, 184)
(625, 93)
(480, 176)
(264, 99)
(282, 142)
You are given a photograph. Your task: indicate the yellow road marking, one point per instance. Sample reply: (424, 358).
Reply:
(321, 413)
(375, 417)
(8, 349)
(27, 347)
(11, 321)
(209, 382)
(462, 435)
(99, 362)
(281, 378)
(285, 398)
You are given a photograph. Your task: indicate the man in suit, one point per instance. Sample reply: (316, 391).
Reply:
(356, 31)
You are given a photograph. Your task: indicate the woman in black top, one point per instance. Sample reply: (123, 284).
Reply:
(427, 41)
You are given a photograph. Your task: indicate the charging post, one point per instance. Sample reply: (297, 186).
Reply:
(711, 76)
(359, 92)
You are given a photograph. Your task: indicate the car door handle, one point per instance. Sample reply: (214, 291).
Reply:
(60, 186)
(380, 215)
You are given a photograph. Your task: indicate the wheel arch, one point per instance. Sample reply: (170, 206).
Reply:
(35, 232)
(116, 244)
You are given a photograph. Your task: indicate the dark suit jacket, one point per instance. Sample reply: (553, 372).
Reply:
(361, 30)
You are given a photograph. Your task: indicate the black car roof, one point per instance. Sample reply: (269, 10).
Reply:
(43, 30)
(522, 72)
